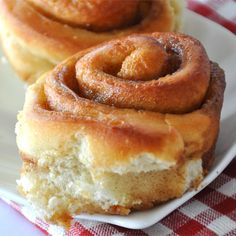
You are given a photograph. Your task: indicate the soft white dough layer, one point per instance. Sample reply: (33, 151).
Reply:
(54, 184)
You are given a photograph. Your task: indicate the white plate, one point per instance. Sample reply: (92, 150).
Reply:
(221, 47)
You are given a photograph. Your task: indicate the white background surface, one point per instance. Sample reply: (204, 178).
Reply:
(212, 36)
(13, 224)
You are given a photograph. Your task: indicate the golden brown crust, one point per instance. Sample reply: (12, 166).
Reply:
(129, 150)
(95, 15)
(38, 34)
(59, 102)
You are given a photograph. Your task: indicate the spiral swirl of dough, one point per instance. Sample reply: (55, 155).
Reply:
(167, 73)
(98, 15)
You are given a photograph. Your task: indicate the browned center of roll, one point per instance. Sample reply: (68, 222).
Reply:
(97, 15)
(143, 61)
(164, 74)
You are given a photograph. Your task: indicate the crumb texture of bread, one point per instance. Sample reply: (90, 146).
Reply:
(60, 185)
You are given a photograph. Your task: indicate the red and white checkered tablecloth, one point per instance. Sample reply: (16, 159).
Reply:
(211, 212)
(220, 11)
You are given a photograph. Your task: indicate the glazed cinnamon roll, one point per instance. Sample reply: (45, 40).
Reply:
(38, 34)
(119, 127)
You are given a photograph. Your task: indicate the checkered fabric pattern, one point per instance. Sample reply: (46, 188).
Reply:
(221, 11)
(211, 212)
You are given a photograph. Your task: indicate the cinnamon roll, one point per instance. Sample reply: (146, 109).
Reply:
(38, 34)
(120, 127)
